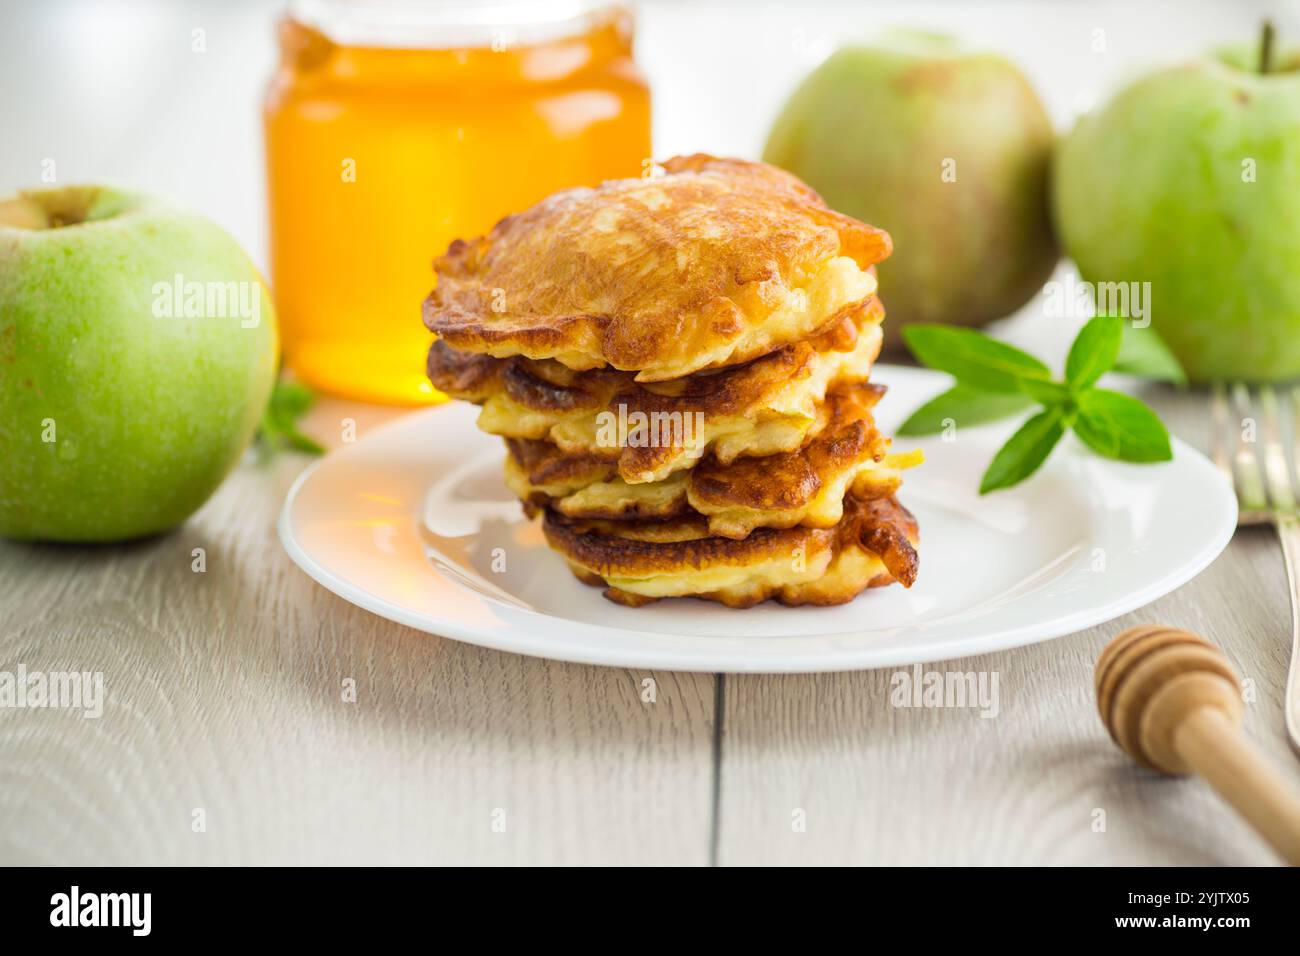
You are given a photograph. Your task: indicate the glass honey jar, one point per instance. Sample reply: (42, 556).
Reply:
(395, 126)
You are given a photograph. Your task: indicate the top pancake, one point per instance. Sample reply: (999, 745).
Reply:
(715, 263)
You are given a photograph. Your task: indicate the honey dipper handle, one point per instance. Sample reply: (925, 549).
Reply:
(1232, 765)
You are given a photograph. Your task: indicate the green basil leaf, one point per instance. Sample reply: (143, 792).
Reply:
(1024, 451)
(1120, 426)
(964, 407)
(1094, 350)
(299, 442)
(1143, 352)
(291, 399)
(972, 358)
(1045, 392)
(279, 427)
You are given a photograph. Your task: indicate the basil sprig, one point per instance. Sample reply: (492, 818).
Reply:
(279, 427)
(995, 380)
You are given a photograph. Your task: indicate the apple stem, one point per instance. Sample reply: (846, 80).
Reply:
(1266, 48)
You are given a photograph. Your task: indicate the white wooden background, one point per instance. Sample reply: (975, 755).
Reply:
(224, 687)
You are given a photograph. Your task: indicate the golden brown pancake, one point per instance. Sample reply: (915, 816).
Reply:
(764, 407)
(715, 263)
(777, 491)
(640, 561)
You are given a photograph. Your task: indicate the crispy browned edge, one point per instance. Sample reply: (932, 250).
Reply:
(881, 525)
(461, 307)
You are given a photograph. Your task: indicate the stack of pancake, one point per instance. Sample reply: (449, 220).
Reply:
(679, 366)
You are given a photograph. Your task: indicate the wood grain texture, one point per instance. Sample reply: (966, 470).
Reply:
(884, 785)
(224, 688)
(224, 692)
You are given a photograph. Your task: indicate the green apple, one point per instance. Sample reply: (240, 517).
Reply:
(946, 149)
(138, 347)
(1189, 180)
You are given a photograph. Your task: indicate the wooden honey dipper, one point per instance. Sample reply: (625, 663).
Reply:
(1172, 702)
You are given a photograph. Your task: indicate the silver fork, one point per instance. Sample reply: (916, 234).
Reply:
(1248, 446)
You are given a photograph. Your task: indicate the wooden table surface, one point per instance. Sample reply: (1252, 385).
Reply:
(225, 688)
(225, 693)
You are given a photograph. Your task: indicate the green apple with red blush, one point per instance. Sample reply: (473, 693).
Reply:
(945, 147)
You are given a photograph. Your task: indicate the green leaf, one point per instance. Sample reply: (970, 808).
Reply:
(974, 359)
(1119, 426)
(279, 427)
(1025, 450)
(1144, 353)
(965, 407)
(292, 438)
(1094, 351)
(290, 400)
(1045, 392)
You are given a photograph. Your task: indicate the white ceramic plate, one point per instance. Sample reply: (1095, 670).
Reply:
(414, 523)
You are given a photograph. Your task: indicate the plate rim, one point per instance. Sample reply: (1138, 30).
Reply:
(713, 660)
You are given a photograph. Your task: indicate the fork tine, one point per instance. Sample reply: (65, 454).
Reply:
(1250, 479)
(1291, 400)
(1277, 475)
(1219, 429)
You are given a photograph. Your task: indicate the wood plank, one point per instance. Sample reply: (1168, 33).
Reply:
(224, 692)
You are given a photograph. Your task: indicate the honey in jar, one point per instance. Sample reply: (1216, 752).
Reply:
(395, 127)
